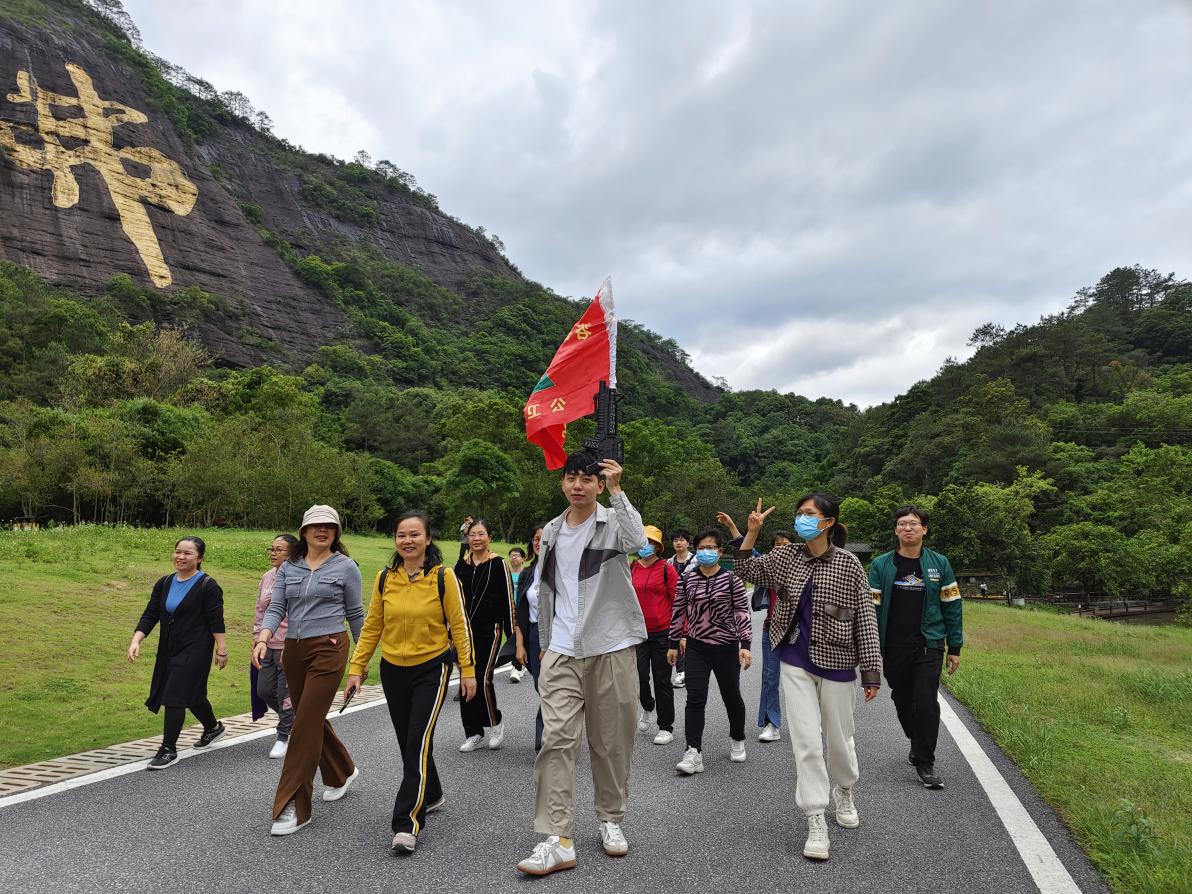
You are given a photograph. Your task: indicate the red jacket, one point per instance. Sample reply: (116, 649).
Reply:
(655, 588)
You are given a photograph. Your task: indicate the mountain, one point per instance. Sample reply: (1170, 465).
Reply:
(202, 324)
(116, 163)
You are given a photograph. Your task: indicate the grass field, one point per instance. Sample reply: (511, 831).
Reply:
(1099, 717)
(69, 600)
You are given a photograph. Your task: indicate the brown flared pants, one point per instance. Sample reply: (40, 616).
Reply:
(314, 668)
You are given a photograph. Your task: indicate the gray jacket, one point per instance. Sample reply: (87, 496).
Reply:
(316, 602)
(609, 612)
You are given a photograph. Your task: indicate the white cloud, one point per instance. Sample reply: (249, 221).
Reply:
(835, 168)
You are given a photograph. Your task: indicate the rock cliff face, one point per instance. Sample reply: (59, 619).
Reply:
(95, 180)
(107, 167)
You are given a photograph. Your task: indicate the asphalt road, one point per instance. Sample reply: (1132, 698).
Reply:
(203, 826)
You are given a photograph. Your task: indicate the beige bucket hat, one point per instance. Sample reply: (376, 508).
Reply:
(320, 515)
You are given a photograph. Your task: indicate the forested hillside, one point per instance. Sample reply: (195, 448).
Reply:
(1058, 455)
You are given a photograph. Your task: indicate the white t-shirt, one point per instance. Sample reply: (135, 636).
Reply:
(532, 593)
(569, 548)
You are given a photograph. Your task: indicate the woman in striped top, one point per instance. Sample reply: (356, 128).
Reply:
(711, 606)
(488, 590)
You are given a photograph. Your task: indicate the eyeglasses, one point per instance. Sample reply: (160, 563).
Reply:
(277, 549)
(908, 525)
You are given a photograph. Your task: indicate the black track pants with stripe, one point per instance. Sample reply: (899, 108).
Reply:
(415, 697)
(482, 710)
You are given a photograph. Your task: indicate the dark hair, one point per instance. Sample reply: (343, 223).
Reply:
(910, 509)
(686, 535)
(288, 538)
(433, 556)
(785, 535)
(200, 546)
(517, 549)
(476, 521)
(530, 551)
(826, 504)
(299, 546)
(714, 533)
(578, 462)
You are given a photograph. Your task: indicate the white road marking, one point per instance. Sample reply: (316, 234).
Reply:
(137, 766)
(1036, 851)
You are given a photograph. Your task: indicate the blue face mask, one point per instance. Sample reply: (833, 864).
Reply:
(807, 526)
(707, 557)
(646, 551)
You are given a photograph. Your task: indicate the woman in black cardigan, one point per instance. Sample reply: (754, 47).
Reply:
(525, 629)
(189, 606)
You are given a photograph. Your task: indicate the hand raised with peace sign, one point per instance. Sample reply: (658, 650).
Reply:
(757, 518)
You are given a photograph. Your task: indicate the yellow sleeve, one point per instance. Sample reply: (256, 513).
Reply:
(370, 633)
(457, 617)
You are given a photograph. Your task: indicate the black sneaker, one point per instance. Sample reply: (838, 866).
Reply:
(210, 735)
(928, 776)
(165, 757)
(910, 758)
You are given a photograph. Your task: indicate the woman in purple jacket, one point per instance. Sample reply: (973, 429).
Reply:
(711, 606)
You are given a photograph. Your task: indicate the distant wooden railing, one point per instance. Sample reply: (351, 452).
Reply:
(1098, 607)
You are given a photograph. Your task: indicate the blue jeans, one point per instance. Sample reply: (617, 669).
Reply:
(532, 648)
(769, 709)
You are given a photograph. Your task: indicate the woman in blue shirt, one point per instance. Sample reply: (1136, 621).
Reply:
(189, 606)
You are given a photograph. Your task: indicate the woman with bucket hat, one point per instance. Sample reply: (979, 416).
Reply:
(316, 589)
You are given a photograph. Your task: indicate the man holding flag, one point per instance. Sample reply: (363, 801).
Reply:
(589, 620)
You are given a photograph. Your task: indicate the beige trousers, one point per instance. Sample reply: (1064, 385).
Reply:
(599, 693)
(819, 711)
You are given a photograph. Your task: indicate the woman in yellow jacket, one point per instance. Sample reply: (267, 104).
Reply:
(416, 608)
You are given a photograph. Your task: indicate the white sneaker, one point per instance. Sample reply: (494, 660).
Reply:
(680, 681)
(846, 809)
(691, 762)
(736, 751)
(769, 733)
(337, 792)
(496, 735)
(548, 856)
(816, 847)
(287, 822)
(404, 841)
(664, 737)
(615, 844)
(472, 743)
(645, 720)
(279, 749)
(515, 676)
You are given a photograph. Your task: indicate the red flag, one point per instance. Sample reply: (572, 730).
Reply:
(567, 391)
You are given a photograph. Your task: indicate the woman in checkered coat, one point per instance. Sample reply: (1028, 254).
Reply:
(823, 629)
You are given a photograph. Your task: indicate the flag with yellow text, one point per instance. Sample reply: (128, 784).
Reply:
(567, 390)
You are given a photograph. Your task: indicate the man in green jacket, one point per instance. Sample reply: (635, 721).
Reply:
(919, 613)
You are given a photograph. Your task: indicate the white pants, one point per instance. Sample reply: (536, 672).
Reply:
(819, 710)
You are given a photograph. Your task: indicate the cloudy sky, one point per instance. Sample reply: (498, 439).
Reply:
(824, 197)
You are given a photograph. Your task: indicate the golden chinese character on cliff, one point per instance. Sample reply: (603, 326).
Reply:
(67, 142)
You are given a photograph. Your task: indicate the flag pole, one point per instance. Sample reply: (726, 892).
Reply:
(610, 319)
